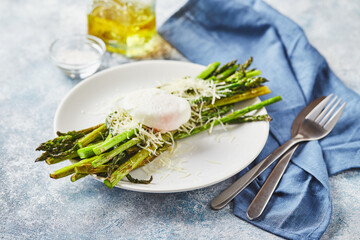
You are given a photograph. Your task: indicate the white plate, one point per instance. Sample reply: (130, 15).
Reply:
(205, 159)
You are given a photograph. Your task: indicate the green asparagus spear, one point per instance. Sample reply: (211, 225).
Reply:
(256, 92)
(96, 160)
(224, 67)
(43, 156)
(64, 141)
(247, 64)
(229, 117)
(255, 118)
(141, 158)
(252, 73)
(245, 84)
(83, 131)
(226, 73)
(113, 141)
(64, 146)
(66, 171)
(88, 151)
(105, 157)
(61, 143)
(215, 112)
(209, 70)
(77, 176)
(70, 154)
(126, 168)
(99, 132)
(89, 169)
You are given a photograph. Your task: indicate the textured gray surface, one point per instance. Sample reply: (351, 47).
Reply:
(33, 206)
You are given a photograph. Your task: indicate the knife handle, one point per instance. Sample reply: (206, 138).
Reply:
(228, 194)
(262, 198)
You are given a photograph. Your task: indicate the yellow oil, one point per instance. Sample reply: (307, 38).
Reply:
(126, 27)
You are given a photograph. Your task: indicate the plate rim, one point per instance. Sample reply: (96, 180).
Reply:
(103, 72)
(145, 62)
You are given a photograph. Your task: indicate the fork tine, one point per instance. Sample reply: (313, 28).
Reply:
(315, 112)
(329, 113)
(335, 117)
(326, 109)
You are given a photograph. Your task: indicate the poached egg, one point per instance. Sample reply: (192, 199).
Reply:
(157, 109)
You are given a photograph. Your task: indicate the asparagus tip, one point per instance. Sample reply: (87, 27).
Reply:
(277, 98)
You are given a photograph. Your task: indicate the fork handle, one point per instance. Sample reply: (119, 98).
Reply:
(262, 198)
(231, 192)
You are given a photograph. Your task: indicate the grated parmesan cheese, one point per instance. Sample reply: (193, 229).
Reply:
(169, 161)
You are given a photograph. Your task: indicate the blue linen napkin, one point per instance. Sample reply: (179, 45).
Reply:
(205, 31)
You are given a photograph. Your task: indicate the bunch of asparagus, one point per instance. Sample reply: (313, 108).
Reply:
(99, 152)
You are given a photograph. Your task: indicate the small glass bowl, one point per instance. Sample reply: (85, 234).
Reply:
(78, 56)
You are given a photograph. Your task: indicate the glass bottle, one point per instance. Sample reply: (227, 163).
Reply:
(126, 26)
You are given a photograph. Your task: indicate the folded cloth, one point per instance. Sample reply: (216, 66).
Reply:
(205, 31)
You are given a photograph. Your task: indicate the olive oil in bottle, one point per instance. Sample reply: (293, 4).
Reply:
(126, 26)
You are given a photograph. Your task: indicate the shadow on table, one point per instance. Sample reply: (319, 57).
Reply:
(187, 207)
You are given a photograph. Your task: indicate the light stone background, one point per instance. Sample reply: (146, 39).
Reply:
(33, 206)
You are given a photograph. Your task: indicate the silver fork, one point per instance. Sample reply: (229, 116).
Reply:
(316, 125)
